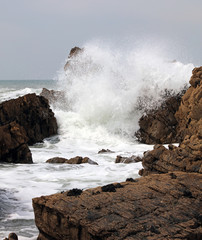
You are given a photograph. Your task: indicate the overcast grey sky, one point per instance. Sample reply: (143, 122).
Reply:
(37, 35)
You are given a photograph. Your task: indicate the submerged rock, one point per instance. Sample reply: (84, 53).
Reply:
(31, 112)
(13, 144)
(75, 160)
(105, 151)
(156, 207)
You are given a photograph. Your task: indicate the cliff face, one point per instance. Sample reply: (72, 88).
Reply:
(165, 204)
(189, 115)
(155, 207)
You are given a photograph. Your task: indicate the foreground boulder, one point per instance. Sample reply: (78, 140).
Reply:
(75, 160)
(13, 144)
(31, 112)
(165, 206)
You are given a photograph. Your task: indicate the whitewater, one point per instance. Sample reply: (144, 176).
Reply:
(106, 91)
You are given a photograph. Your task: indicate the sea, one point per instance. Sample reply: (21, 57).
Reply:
(105, 92)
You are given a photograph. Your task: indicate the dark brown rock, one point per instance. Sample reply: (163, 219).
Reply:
(75, 160)
(159, 125)
(13, 144)
(73, 53)
(132, 159)
(156, 207)
(187, 157)
(31, 112)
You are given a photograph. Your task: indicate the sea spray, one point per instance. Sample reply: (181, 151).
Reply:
(111, 89)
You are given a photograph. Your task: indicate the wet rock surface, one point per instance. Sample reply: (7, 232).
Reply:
(75, 160)
(31, 112)
(13, 144)
(155, 207)
(132, 159)
(159, 125)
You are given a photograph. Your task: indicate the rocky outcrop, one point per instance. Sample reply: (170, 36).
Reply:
(33, 113)
(159, 125)
(189, 115)
(159, 207)
(13, 144)
(176, 118)
(75, 160)
(132, 159)
(187, 157)
(73, 53)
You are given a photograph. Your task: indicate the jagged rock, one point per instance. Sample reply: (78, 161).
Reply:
(187, 157)
(165, 206)
(189, 115)
(159, 125)
(13, 144)
(105, 151)
(132, 159)
(31, 112)
(75, 160)
(73, 53)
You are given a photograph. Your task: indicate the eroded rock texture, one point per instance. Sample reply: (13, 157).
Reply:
(33, 113)
(13, 144)
(189, 115)
(159, 207)
(159, 125)
(187, 157)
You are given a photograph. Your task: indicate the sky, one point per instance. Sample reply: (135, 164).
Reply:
(37, 35)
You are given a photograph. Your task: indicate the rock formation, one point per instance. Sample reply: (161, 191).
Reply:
(31, 112)
(159, 207)
(159, 125)
(75, 160)
(187, 157)
(73, 53)
(189, 115)
(13, 144)
(132, 159)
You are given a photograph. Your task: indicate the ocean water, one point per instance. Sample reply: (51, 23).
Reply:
(105, 91)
